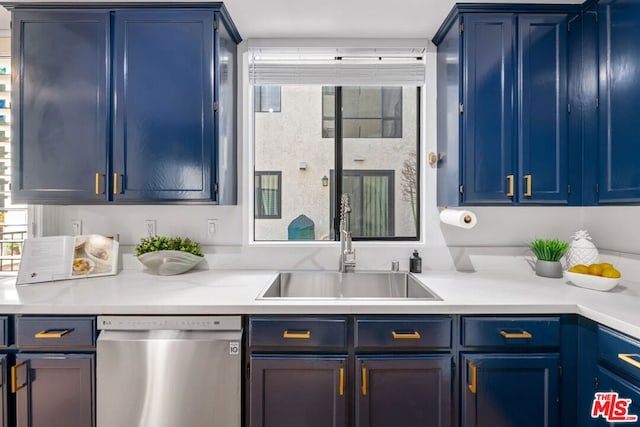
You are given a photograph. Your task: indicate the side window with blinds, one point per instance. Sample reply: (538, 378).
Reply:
(13, 218)
(369, 150)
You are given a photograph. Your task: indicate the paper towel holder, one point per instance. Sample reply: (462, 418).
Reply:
(467, 219)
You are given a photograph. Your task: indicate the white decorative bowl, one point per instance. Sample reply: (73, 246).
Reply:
(588, 281)
(168, 263)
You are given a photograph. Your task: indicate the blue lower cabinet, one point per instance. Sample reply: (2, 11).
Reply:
(54, 390)
(507, 390)
(298, 390)
(403, 390)
(612, 410)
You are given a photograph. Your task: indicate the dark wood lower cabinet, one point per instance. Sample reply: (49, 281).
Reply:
(403, 390)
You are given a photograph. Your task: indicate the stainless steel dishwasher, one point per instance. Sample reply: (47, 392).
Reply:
(169, 371)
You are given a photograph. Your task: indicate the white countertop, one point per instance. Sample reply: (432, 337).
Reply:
(235, 292)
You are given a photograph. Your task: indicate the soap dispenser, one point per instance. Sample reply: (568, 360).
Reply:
(415, 263)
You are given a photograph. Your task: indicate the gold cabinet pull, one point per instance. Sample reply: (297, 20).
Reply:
(341, 384)
(297, 334)
(523, 334)
(415, 335)
(511, 191)
(14, 377)
(115, 183)
(53, 333)
(527, 181)
(363, 387)
(629, 359)
(473, 387)
(98, 186)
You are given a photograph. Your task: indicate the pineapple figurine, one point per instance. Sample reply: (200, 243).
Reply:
(582, 251)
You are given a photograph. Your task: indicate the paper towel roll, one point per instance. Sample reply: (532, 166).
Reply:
(459, 218)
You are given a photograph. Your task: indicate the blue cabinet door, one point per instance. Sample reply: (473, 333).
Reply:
(298, 390)
(4, 392)
(60, 103)
(543, 109)
(506, 390)
(619, 56)
(403, 390)
(488, 150)
(607, 381)
(55, 390)
(163, 140)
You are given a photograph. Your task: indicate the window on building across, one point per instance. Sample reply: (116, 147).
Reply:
(268, 196)
(267, 99)
(367, 112)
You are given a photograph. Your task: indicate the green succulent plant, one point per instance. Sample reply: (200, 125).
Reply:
(161, 243)
(548, 250)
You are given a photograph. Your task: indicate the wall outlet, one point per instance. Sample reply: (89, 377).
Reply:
(150, 225)
(212, 225)
(76, 227)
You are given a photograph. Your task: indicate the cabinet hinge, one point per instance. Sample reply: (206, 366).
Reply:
(462, 27)
(595, 383)
(215, 25)
(597, 102)
(568, 108)
(597, 188)
(461, 189)
(216, 106)
(568, 27)
(568, 188)
(461, 108)
(560, 371)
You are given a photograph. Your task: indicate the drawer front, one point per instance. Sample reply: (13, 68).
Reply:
(403, 333)
(523, 332)
(55, 332)
(301, 332)
(4, 331)
(619, 352)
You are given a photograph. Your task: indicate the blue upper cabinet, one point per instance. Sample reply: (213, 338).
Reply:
(61, 105)
(134, 104)
(487, 109)
(163, 127)
(502, 72)
(543, 109)
(619, 53)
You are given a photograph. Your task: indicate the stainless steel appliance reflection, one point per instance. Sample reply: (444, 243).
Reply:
(164, 371)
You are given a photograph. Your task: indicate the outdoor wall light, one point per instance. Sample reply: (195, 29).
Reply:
(325, 181)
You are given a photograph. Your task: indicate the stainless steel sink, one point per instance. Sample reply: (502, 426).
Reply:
(336, 285)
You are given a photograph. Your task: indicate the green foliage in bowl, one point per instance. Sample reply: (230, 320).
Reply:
(548, 250)
(160, 243)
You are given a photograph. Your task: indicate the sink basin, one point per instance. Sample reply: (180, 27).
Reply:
(335, 285)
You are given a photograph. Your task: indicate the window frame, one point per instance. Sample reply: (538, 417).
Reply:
(257, 201)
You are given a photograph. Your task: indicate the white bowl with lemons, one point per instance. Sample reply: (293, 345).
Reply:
(599, 277)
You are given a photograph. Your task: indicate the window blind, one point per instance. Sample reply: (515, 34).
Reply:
(366, 68)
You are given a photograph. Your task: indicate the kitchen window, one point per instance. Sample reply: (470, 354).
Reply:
(344, 126)
(13, 218)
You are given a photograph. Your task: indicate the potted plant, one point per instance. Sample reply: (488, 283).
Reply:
(549, 253)
(168, 255)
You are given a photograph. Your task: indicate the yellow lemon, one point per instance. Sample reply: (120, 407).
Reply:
(606, 265)
(579, 268)
(595, 270)
(612, 273)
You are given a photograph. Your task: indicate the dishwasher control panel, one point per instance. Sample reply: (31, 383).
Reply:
(180, 323)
